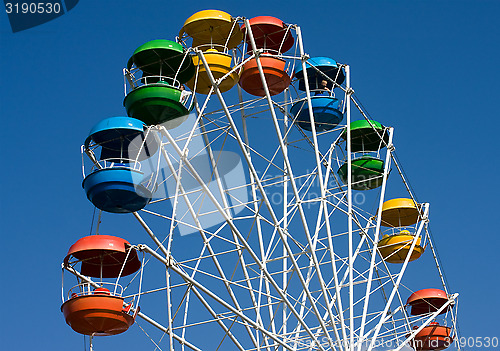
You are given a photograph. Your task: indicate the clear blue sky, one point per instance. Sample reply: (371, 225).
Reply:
(428, 68)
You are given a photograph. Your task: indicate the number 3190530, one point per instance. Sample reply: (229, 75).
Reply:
(33, 7)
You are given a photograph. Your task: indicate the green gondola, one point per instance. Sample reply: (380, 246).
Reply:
(367, 173)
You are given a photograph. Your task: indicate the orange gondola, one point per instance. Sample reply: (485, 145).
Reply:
(100, 311)
(274, 37)
(277, 78)
(270, 33)
(427, 301)
(103, 256)
(433, 337)
(97, 313)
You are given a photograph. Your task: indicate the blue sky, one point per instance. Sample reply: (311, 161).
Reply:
(428, 68)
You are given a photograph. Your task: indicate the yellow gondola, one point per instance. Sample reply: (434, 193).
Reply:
(400, 213)
(212, 27)
(219, 64)
(395, 248)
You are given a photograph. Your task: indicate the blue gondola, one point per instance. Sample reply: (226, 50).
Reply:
(117, 190)
(123, 139)
(317, 68)
(327, 114)
(117, 185)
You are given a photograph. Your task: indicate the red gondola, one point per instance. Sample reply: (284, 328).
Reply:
(100, 311)
(432, 337)
(427, 301)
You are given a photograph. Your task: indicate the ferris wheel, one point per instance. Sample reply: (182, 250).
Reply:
(277, 214)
